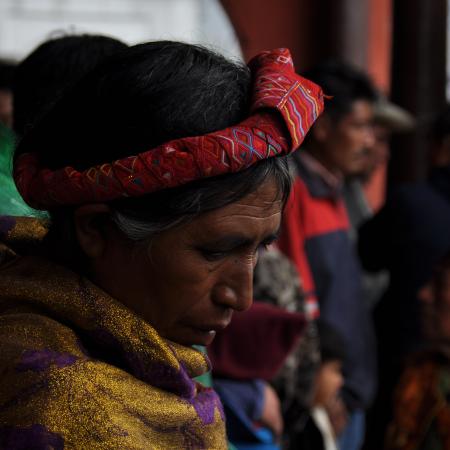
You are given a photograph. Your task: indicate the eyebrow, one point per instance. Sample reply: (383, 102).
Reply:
(236, 240)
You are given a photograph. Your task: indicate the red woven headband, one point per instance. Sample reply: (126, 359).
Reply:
(278, 93)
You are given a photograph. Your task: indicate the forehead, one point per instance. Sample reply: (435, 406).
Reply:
(257, 213)
(361, 109)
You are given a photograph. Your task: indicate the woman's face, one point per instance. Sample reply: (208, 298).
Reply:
(191, 278)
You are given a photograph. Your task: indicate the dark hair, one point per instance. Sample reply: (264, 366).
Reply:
(141, 97)
(331, 343)
(7, 69)
(344, 83)
(42, 77)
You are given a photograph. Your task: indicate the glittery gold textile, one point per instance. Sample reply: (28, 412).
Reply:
(80, 371)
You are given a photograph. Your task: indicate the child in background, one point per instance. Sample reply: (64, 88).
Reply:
(422, 399)
(318, 432)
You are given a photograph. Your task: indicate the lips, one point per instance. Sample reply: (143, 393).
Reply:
(214, 327)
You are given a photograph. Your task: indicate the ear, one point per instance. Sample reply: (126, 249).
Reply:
(90, 229)
(321, 129)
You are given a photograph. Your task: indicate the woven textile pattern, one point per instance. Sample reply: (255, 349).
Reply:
(284, 106)
(82, 371)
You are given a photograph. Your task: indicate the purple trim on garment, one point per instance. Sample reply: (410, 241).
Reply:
(164, 376)
(155, 373)
(205, 403)
(34, 437)
(40, 360)
(7, 223)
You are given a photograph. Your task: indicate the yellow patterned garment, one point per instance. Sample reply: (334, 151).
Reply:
(78, 370)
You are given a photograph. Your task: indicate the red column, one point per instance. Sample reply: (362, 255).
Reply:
(262, 25)
(379, 51)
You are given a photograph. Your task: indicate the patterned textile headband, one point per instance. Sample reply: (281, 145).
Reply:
(284, 106)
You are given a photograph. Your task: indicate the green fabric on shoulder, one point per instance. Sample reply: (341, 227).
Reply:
(11, 203)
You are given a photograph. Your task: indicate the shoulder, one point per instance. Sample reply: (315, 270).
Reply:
(52, 390)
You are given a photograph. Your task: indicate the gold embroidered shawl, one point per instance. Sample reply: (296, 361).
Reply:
(79, 370)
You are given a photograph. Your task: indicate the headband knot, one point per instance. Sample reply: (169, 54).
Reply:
(283, 108)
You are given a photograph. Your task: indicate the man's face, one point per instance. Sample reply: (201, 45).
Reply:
(379, 154)
(349, 140)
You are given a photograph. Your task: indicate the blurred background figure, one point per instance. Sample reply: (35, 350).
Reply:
(388, 119)
(51, 69)
(407, 238)
(276, 281)
(315, 233)
(10, 200)
(6, 101)
(422, 399)
(318, 432)
(246, 357)
(39, 81)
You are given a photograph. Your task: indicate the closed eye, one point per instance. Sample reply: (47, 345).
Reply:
(221, 249)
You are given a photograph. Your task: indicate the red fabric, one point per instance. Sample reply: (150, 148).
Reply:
(292, 242)
(256, 343)
(306, 217)
(284, 106)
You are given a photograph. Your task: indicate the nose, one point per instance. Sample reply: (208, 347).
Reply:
(369, 137)
(235, 288)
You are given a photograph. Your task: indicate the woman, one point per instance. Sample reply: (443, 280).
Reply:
(151, 246)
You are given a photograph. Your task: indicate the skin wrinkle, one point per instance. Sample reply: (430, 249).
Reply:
(179, 290)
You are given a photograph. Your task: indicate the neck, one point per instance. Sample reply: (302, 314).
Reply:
(318, 153)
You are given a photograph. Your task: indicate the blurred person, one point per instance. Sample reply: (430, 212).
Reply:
(10, 200)
(315, 231)
(6, 97)
(39, 80)
(246, 357)
(157, 215)
(277, 282)
(407, 237)
(52, 68)
(388, 119)
(318, 432)
(422, 398)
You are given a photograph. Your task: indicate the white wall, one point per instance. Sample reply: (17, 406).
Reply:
(26, 23)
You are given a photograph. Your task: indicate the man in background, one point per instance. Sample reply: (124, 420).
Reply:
(315, 234)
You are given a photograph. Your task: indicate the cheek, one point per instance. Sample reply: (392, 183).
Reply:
(176, 282)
